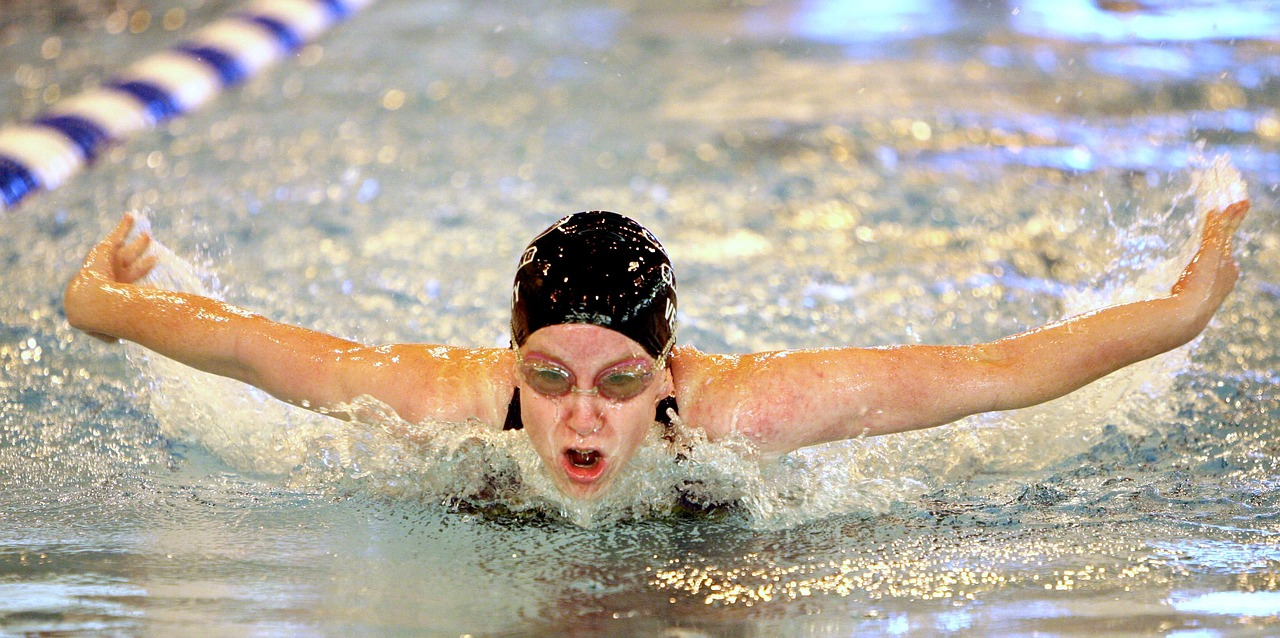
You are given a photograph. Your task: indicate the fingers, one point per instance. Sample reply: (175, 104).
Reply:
(1239, 208)
(1233, 215)
(1213, 269)
(116, 237)
(130, 252)
(135, 270)
(109, 244)
(117, 258)
(131, 261)
(1220, 225)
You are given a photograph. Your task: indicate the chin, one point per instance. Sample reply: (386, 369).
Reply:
(581, 492)
(584, 491)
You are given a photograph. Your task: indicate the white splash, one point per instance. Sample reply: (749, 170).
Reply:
(1217, 186)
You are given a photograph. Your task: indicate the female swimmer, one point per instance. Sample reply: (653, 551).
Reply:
(593, 358)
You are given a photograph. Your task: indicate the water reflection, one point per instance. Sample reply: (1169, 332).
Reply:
(846, 21)
(1232, 603)
(1148, 21)
(1109, 21)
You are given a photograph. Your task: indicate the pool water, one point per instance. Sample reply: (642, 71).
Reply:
(822, 173)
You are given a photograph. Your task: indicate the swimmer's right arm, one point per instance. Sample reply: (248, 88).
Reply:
(300, 366)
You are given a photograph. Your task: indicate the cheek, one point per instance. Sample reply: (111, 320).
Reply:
(539, 421)
(634, 425)
(536, 414)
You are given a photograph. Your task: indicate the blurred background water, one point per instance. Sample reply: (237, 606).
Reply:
(822, 172)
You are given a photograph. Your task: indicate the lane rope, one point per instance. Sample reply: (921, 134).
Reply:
(43, 153)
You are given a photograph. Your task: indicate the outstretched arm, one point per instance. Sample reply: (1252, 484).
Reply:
(300, 366)
(792, 399)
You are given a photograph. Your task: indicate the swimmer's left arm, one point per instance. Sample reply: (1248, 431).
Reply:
(792, 399)
(1049, 362)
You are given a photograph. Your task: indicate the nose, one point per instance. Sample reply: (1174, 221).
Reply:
(582, 414)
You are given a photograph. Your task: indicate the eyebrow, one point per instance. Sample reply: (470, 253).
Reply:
(560, 363)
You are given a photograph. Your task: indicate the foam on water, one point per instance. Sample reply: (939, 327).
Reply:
(475, 465)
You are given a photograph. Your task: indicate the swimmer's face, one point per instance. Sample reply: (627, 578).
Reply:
(585, 438)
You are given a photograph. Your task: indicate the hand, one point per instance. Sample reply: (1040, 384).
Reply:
(1212, 273)
(115, 260)
(111, 261)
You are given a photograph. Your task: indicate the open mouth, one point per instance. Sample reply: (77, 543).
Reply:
(583, 465)
(583, 458)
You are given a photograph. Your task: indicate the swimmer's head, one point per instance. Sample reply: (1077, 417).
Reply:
(597, 268)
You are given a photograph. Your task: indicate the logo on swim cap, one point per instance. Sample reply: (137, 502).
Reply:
(597, 268)
(527, 256)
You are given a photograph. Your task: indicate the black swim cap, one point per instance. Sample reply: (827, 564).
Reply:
(597, 268)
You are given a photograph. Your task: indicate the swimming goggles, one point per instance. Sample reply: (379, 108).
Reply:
(618, 383)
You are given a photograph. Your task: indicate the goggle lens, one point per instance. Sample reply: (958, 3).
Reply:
(617, 384)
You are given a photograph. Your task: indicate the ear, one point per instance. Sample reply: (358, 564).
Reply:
(667, 385)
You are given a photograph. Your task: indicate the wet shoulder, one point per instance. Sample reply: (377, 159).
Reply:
(766, 397)
(450, 383)
(704, 387)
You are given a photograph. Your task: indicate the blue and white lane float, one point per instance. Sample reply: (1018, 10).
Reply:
(43, 153)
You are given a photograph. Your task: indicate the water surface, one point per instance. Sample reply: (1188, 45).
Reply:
(822, 174)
